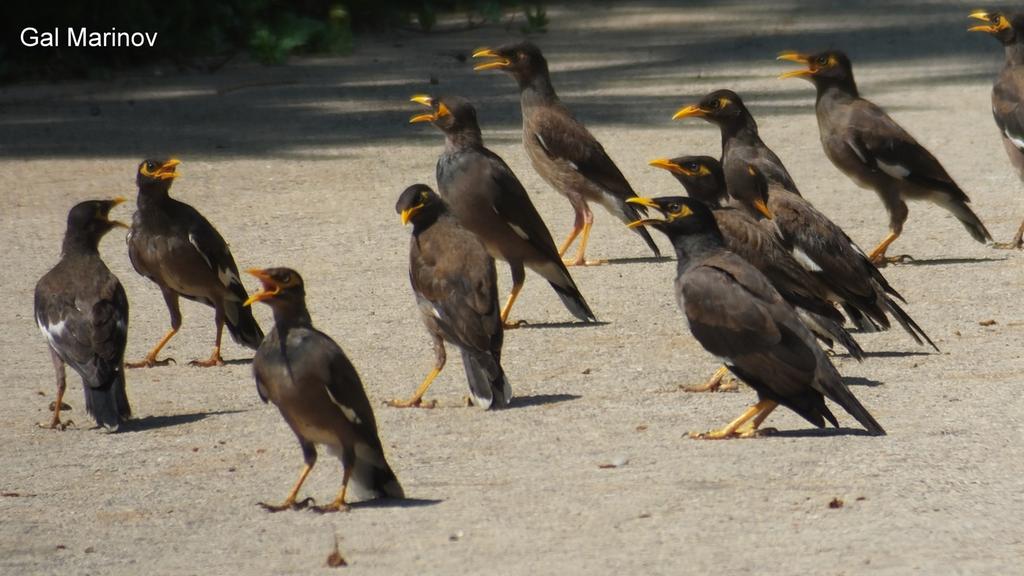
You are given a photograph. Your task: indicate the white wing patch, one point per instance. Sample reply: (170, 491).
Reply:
(856, 150)
(543, 144)
(436, 311)
(1017, 141)
(53, 332)
(227, 277)
(894, 170)
(519, 231)
(806, 261)
(349, 413)
(192, 241)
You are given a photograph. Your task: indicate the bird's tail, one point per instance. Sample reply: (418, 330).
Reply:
(487, 381)
(841, 395)
(372, 477)
(908, 323)
(242, 324)
(558, 276)
(829, 330)
(632, 213)
(968, 218)
(108, 404)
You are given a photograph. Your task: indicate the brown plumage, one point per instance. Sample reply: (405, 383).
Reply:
(877, 153)
(456, 288)
(319, 394)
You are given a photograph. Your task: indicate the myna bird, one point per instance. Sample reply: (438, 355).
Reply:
(487, 199)
(562, 150)
(741, 145)
(456, 289)
(318, 391)
(704, 181)
(875, 152)
(82, 310)
(824, 250)
(1008, 92)
(736, 314)
(173, 245)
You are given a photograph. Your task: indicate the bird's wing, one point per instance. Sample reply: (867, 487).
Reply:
(882, 144)
(564, 139)
(1007, 95)
(513, 204)
(344, 387)
(463, 299)
(734, 313)
(209, 244)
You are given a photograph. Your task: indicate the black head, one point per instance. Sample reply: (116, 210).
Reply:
(722, 107)
(1008, 29)
(280, 288)
(418, 203)
(523, 60)
(451, 114)
(702, 176)
(823, 68)
(683, 217)
(88, 221)
(157, 171)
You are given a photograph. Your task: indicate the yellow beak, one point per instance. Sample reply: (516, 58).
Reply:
(166, 171)
(763, 209)
(408, 213)
(269, 289)
(423, 99)
(499, 62)
(688, 111)
(643, 202)
(988, 27)
(793, 57)
(425, 117)
(666, 164)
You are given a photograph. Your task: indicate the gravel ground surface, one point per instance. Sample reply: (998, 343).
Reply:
(301, 165)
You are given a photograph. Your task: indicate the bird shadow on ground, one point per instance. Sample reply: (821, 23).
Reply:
(394, 503)
(860, 381)
(895, 354)
(524, 325)
(540, 400)
(641, 260)
(238, 362)
(944, 261)
(154, 422)
(815, 433)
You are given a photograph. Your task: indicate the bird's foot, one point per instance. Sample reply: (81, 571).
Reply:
(721, 385)
(412, 403)
(287, 505)
(882, 260)
(335, 506)
(722, 434)
(214, 360)
(56, 424)
(513, 325)
(1012, 245)
(149, 362)
(582, 262)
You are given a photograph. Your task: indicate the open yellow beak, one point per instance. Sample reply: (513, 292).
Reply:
(427, 101)
(666, 164)
(688, 111)
(643, 202)
(988, 27)
(425, 117)
(167, 170)
(796, 57)
(498, 62)
(269, 289)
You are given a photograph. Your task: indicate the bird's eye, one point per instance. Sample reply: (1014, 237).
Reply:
(673, 208)
(715, 104)
(692, 167)
(150, 166)
(822, 61)
(286, 278)
(424, 196)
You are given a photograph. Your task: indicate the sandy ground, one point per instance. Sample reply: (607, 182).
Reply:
(301, 166)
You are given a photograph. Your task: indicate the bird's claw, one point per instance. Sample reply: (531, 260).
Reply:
(514, 325)
(332, 507)
(150, 362)
(582, 262)
(293, 505)
(882, 260)
(56, 424)
(1015, 245)
(723, 385)
(208, 363)
(414, 403)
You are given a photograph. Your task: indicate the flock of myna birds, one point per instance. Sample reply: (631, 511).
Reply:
(764, 279)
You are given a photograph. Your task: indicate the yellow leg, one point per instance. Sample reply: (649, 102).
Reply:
(55, 422)
(289, 502)
(730, 430)
(508, 306)
(581, 259)
(214, 359)
(715, 383)
(750, 429)
(877, 255)
(569, 239)
(417, 397)
(339, 502)
(150, 360)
